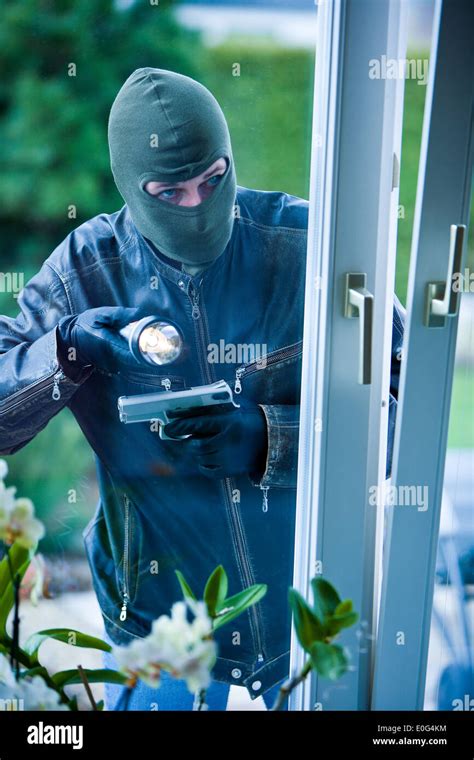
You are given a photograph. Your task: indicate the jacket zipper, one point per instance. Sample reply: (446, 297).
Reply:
(196, 312)
(239, 534)
(236, 523)
(56, 394)
(255, 366)
(33, 389)
(126, 559)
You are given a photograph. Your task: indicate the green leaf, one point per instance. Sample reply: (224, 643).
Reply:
(233, 606)
(345, 621)
(32, 672)
(215, 590)
(67, 677)
(343, 607)
(308, 627)
(336, 623)
(328, 659)
(326, 598)
(20, 558)
(100, 705)
(185, 587)
(33, 643)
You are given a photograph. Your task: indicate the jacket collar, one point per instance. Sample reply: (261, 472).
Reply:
(171, 269)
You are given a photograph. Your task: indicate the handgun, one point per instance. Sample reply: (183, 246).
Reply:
(166, 406)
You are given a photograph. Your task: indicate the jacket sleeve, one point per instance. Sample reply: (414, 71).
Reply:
(33, 385)
(283, 422)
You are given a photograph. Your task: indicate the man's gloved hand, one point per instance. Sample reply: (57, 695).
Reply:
(92, 338)
(226, 444)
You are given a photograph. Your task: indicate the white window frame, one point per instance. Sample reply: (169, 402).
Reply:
(443, 199)
(352, 225)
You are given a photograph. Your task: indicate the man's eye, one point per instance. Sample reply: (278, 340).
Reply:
(167, 194)
(214, 180)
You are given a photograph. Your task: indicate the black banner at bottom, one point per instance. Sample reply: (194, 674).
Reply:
(382, 734)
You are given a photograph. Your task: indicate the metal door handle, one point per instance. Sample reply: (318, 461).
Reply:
(360, 303)
(441, 299)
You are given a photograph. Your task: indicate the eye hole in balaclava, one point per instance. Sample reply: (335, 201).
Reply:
(219, 172)
(167, 127)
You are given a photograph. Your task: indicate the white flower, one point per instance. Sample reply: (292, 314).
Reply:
(183, 648)
(7, 502)
(27, 693)
(38, 565)
(3, 469)
(23, 509)
(39, 696)
(6, 676)
(17, 521)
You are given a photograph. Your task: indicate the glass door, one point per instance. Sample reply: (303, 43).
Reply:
(349, 306)
(434, 295)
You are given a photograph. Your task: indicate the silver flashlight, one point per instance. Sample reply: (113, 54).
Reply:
(153, 340)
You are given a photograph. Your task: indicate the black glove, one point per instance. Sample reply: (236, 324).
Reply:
(226, 444)
(92, 338)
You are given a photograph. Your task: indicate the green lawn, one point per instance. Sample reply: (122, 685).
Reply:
(461, 422)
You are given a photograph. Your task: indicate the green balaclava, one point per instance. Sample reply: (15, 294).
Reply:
(167, 127)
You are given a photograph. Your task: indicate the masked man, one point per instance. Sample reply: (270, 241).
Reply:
(226, 264)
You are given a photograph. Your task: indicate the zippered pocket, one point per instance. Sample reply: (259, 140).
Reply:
(34, 389)
(273, 357)
(158, 382)
(126, 558)
(277, 356)
(102, 565)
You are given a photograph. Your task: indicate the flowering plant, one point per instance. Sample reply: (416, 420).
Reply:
(184, 648)
(181, 646)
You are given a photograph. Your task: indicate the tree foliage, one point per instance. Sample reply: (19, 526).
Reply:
(62, 63)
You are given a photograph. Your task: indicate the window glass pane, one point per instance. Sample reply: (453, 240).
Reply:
(449, 684)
